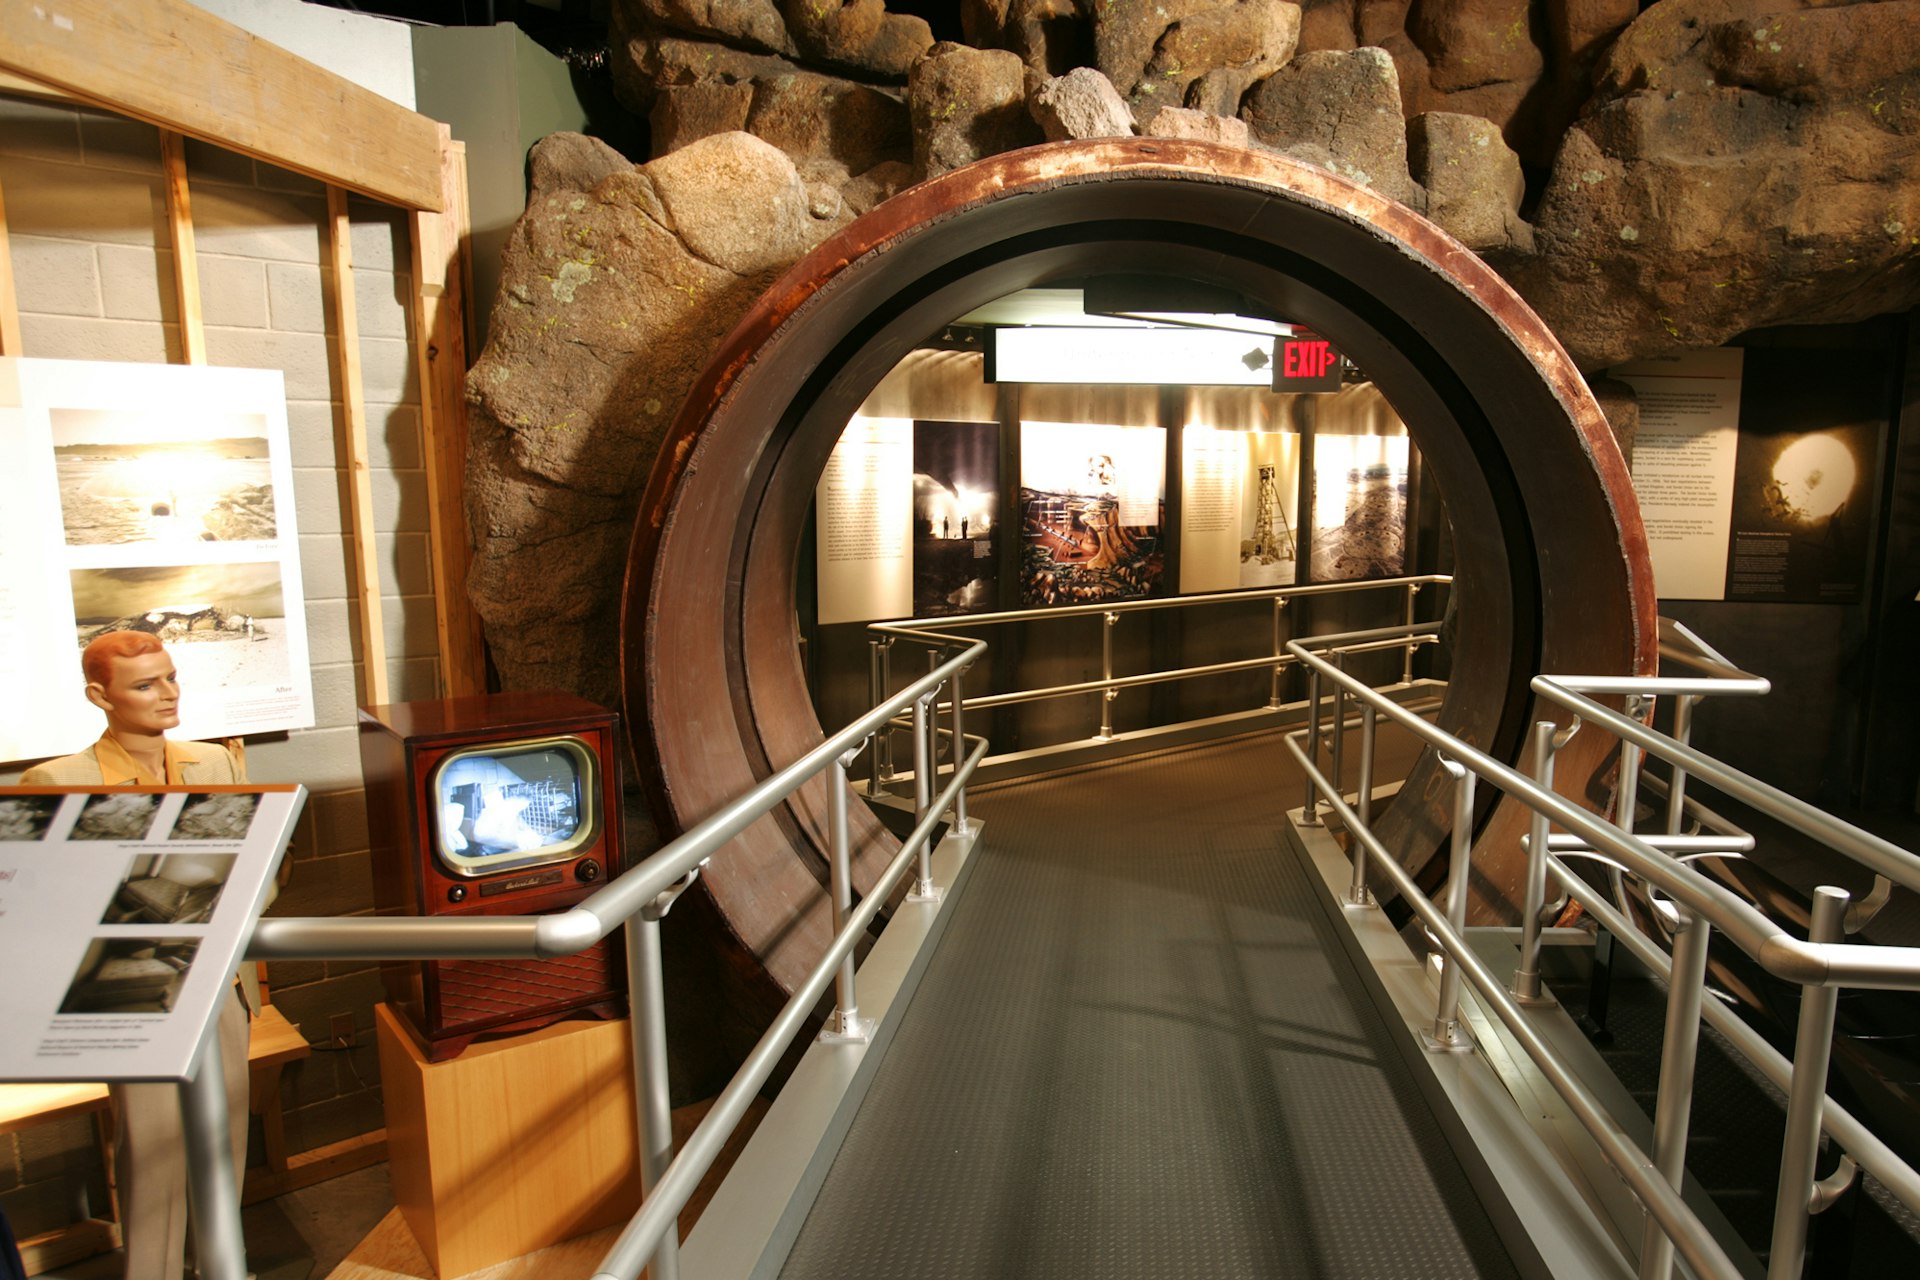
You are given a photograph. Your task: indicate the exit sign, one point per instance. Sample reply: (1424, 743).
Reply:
(1305, 361)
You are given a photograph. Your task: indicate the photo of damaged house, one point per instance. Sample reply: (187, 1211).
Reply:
(224, 624)
(1092, 506)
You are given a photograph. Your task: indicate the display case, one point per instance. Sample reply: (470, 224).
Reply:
(502, 804)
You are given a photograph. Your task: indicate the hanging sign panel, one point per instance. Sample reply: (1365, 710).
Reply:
(154, 498)
(1683, 465)
(123, 914)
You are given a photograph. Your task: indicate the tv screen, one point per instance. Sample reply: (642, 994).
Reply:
(510, 805)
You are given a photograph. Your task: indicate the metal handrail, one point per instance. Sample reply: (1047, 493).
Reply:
(1819, 964)
(639, 898)
(934, 632)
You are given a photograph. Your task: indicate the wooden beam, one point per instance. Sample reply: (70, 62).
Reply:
(317, 1165)
(179, 67)
(9, 304)
(69, 1244)
(440, 273)
(353, 433)
(186, 262)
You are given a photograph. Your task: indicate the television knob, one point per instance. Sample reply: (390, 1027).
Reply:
(587, 871)
(458, 893)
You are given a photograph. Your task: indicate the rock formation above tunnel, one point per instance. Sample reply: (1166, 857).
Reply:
(1649, 181)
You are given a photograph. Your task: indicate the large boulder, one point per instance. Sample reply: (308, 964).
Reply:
(1051, 36)
(967, 104)
(1081, 104)
(1192, 53)
(1472, 179)
(1198, 126)
(1340, 111)
(857, 35)
(619, 282)
(1735, 171)
(752, 24)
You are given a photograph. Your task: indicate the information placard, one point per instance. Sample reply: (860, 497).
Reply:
(1239, 491)
(153, 498)
(123, 913)
(864, 508)
(1683, 465)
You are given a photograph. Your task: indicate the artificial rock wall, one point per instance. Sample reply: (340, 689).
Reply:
(1649, 181)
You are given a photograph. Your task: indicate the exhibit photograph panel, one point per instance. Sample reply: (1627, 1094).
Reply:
(1092, 506)
(1359, 507)
(956, 512)
(1239, 507)
(158, 499)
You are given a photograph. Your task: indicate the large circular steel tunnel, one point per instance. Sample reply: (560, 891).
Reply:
(1551, 561)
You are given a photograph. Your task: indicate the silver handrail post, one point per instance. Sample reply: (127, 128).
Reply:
(1108, 693)
(1806, 1098)
(1526, 978)
(1339, 727)
(922, 784)
(215, 1189)
(883, 740)
(876, 694)
(1357, 895)
(1679, 1050)
(1310, 807)
(1626, 810)
(959, 809)
(923, 889)
(846, 1024)
(1446, 1037)
(1677, 784)
(1406, 661)
(646, 985)
(1279, 653)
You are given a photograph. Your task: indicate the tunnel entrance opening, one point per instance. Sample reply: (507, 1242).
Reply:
(1551, 566)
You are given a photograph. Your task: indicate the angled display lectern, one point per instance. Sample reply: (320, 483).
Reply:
(124, 912)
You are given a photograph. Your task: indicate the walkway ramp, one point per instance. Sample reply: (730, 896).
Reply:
(1140, 1049)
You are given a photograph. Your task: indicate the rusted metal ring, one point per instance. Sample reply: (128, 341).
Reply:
(1552, 562)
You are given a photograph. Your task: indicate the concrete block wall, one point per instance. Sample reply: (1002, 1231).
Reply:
(93, 268)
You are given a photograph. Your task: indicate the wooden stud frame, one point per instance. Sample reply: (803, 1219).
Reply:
(196, 75)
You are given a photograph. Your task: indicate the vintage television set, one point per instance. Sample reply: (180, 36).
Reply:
(500, 804)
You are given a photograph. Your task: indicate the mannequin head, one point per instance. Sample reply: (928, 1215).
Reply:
(131, 678)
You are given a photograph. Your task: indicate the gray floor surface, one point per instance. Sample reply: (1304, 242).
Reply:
(1139, 1051)
(302, 1235)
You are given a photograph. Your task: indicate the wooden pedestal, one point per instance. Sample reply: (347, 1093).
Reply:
(513, 1145)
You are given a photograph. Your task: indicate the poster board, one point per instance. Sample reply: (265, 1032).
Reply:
(155, 498)
(863, 509)
(1683, 465)
(905, 519)
(1239, 500)
(1092, 505)
(123, 914)
(1359, 507)
(956, 512)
